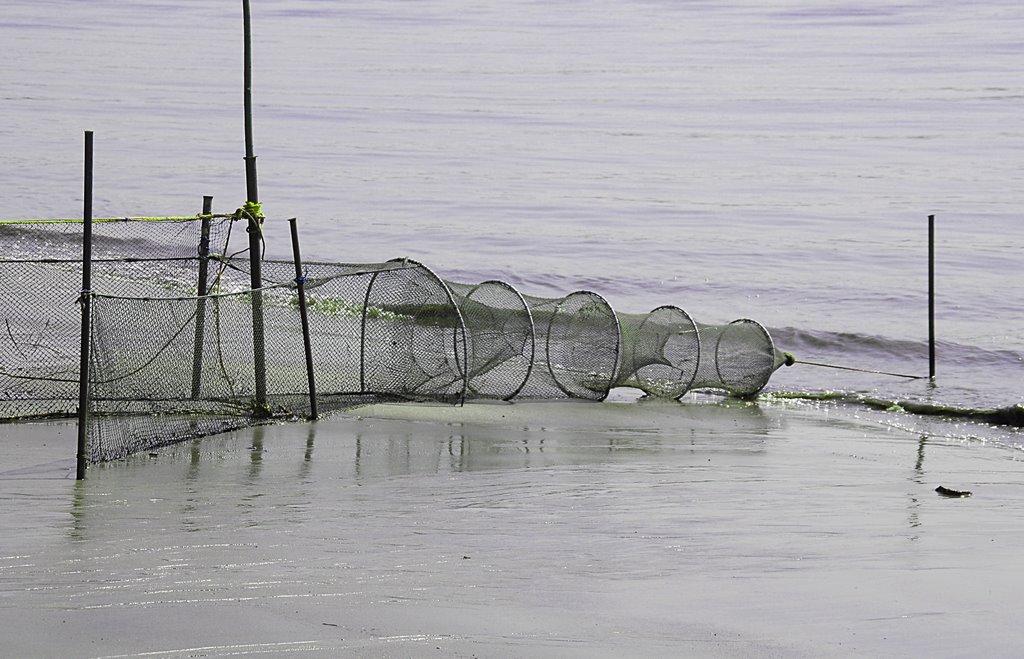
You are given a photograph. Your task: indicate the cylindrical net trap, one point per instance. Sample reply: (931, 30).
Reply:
(413, 338)
(577, 338)
(738, 358)
(660, 352)
(499, 338)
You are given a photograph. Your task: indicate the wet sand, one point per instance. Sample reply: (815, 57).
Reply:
(549, 529)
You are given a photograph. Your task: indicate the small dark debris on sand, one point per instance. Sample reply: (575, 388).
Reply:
(955, 494)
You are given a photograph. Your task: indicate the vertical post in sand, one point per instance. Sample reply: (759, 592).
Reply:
(86, 301)
(201, 291)
(931, 297)
(300, 282)
(254, 228)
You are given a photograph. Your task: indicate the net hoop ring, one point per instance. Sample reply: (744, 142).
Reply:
(757, 385)
(685, 380)
(564, 386)
(529, 352)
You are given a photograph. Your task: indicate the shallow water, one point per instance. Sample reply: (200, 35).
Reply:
(555, 529)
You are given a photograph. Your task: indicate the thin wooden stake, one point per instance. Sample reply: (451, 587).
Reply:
(201, 291)
(931, 297)
(300, 282)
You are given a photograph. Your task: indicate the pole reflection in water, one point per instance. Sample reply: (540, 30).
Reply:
(914, 505)
(307, 456)
(256, 453)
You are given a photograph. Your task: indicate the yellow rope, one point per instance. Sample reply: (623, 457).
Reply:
(186, 218)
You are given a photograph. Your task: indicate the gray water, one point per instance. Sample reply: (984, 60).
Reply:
(773, 160)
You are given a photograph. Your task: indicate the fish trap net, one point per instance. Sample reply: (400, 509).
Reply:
(167, 364)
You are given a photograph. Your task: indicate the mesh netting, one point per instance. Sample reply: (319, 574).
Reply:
(413, 338)
(739, 357)
(168, 365)
(661, 352)
(41, 281)
(665, 353)
(577, 339)
(500, 341)
(158, 377)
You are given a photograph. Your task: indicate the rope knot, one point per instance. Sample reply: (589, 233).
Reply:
(251, 210)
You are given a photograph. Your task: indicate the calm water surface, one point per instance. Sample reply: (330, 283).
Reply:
(771, 160)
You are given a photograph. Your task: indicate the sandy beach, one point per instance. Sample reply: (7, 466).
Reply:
(709, 528)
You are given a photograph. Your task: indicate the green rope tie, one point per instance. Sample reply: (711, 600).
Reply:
(251, 210)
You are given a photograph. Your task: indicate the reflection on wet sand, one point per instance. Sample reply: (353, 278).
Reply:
(519, 436)
(604, 526)
(401, 439)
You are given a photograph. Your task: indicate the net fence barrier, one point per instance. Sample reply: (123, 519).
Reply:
(168, 364)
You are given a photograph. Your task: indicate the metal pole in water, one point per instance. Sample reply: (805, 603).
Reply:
(300, 282)
(85, 300)
(254, 228)
(931, 297)
(204, 266)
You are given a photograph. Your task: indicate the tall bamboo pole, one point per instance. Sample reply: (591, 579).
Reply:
(255, 228)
